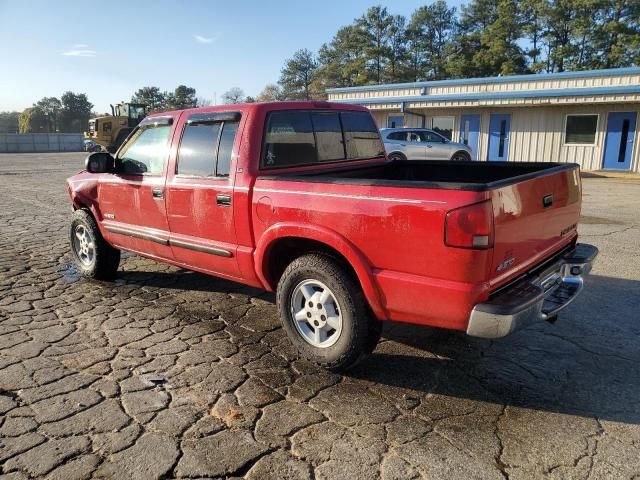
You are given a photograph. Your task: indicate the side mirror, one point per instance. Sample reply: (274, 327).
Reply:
(99, 162)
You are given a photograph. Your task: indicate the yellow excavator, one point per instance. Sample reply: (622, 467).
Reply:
(111, 130)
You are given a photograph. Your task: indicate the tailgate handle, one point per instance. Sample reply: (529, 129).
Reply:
(547, 201)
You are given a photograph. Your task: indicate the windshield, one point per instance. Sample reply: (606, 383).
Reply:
(137, 112)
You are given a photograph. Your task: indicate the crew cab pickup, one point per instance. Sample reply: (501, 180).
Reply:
(299, 198)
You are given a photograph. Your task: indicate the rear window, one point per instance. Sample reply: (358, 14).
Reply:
(302, 137)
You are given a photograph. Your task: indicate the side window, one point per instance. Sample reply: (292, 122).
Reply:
(145, 152)
(432, 137)
(225, 149)
(415, 137)
(402, 136)
(361, 136)
(205, 149)
(289, 139)
(198, 149)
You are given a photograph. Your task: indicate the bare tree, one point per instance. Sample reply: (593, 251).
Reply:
(233, 95)
(203, 102)
(270, 93)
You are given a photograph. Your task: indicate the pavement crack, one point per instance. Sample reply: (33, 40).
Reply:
(502, 466)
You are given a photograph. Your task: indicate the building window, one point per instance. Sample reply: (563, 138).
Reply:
(443, 125)
(581, 129)
(395, 121)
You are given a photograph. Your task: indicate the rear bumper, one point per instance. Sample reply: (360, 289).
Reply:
(538, 296)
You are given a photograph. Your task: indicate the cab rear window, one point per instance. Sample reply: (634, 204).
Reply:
(307, 137)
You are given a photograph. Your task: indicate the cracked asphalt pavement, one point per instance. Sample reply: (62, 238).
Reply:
(166, 373)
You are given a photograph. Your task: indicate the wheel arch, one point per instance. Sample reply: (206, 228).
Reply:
(282, 243)
(397, 152)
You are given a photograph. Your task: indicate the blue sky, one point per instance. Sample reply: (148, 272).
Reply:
(49, 47)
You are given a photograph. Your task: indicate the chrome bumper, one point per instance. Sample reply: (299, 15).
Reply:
(538, 296)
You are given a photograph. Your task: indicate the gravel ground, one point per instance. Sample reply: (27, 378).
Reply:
(166, 373)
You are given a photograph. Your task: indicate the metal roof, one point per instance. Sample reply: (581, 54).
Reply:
(548, 93)
(485, 80)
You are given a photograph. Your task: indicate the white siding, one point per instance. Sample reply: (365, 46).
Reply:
(536, 134)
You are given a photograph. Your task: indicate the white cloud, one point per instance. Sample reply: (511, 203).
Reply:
(79, 53)
(201, 39)
(79, 50)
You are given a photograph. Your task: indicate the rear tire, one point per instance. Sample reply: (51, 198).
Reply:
(461, 157)
(93, 256)
(397, 157)
(324, 312)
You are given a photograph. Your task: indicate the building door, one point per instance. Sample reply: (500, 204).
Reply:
(621, 129)
(499, 137)
(395, 121)
(470, 133)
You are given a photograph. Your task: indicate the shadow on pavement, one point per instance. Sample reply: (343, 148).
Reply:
(586, 364)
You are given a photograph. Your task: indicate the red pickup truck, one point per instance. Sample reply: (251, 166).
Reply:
(299, 198)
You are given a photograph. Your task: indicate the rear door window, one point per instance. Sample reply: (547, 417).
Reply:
(302, 137)
(198, 149)
(206, 148)
(225, 149)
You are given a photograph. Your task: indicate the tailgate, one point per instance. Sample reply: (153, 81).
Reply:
(533, 219)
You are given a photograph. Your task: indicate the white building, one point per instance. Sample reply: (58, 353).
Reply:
(584, 117)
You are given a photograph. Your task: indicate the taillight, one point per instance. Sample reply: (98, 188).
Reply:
(470, 226)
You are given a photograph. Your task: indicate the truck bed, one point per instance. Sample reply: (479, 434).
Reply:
(475, 176)
(536, 207)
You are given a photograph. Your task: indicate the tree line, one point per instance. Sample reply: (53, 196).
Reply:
(485, 38)
(67, 114)
(71, 112)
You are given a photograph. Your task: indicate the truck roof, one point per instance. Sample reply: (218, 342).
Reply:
(268, 106)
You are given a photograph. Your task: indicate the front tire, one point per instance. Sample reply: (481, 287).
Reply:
(324, 312)
(93, 256)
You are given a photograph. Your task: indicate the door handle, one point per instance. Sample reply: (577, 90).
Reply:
(157, 193)
(223, 199)
(429, 146)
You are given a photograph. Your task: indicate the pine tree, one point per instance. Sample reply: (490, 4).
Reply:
(486, 44)
(376, 26)
(533, 23)
(298, 74)
(429, 33)
(618, 35)
(343, 61)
